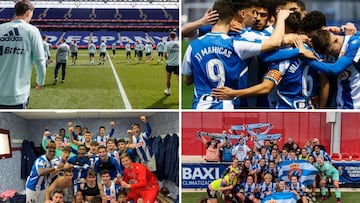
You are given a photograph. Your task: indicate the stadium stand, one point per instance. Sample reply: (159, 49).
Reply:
(355, 157)
(335, 156)
(109, 24)
(345, 156)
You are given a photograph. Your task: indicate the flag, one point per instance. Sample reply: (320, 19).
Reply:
(280, 197)
(305, 171)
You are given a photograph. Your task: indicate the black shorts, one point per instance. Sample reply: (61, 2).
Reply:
(74, 54)
(128, 53)
(139, 53)
(102, 54)
(211, 194)
(171, 69)
(114, 51)
(148, 54)
(91, 54)
(161, 54)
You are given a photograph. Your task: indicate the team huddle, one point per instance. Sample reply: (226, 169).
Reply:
(258, 174)
(78, 167)
(274, 50)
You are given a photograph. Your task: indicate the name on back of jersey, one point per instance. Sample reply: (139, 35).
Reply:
(213, 50)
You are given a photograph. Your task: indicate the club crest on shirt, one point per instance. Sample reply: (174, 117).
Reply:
(345, 75)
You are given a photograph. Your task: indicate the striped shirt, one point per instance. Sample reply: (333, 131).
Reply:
(36, 182)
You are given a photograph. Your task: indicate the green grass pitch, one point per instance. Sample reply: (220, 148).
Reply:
(346, 197)
(94, 86)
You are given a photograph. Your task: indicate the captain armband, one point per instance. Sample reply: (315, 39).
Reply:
(274, 76)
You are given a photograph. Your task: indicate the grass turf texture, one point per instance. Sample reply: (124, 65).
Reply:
(346, 197)
(94, 87)
(187, 91)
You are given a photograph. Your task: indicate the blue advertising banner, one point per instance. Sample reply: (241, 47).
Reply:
(349, 171)
(199, 175)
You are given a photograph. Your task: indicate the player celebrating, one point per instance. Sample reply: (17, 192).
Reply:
(210, 61)
(346, 67)
(328, 171)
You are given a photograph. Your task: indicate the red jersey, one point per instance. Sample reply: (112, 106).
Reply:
(139, 177)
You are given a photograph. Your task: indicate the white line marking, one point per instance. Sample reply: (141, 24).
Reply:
(120, 86)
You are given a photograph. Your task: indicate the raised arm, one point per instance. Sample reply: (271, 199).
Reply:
(190, 29)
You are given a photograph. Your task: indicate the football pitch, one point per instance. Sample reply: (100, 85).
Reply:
(138, 86)
(346, 197)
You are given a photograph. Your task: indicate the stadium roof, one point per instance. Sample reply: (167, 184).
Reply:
(111, 4)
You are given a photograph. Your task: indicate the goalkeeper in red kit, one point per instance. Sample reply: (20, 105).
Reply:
(140, 180)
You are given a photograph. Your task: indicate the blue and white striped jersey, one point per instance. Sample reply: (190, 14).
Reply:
(142, 144)
(216, 60)
(34, 181)
(266, 188)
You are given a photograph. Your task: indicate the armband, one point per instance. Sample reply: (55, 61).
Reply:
(274, 76)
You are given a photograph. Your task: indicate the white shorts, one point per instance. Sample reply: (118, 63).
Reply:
(35, 196)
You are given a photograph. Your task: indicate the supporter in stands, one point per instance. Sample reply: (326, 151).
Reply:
(113, 48)
(63, 183)
(240, 150)
(148, 50)
(316, 141)
(227, 151)
(327, 171)
(139, 141)
(212, 149)
(260, 169)
(16, 66)
(139, 179)
(62, 53)
(275, 156)
(296, 149)
(37, 181)
(160, 48)
(308, 146)
(284, 155)
(320, 153)
(122, 197)
(74, 51)
(46, 50)
(92, 50)
(289, 145)
(128, 52)
(171, 55)
(102, 50)
(292, 155)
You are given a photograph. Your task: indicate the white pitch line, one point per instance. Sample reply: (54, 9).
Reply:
(120, 86)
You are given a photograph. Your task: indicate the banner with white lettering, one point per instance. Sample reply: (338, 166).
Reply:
(349, 172)
(199, 175)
